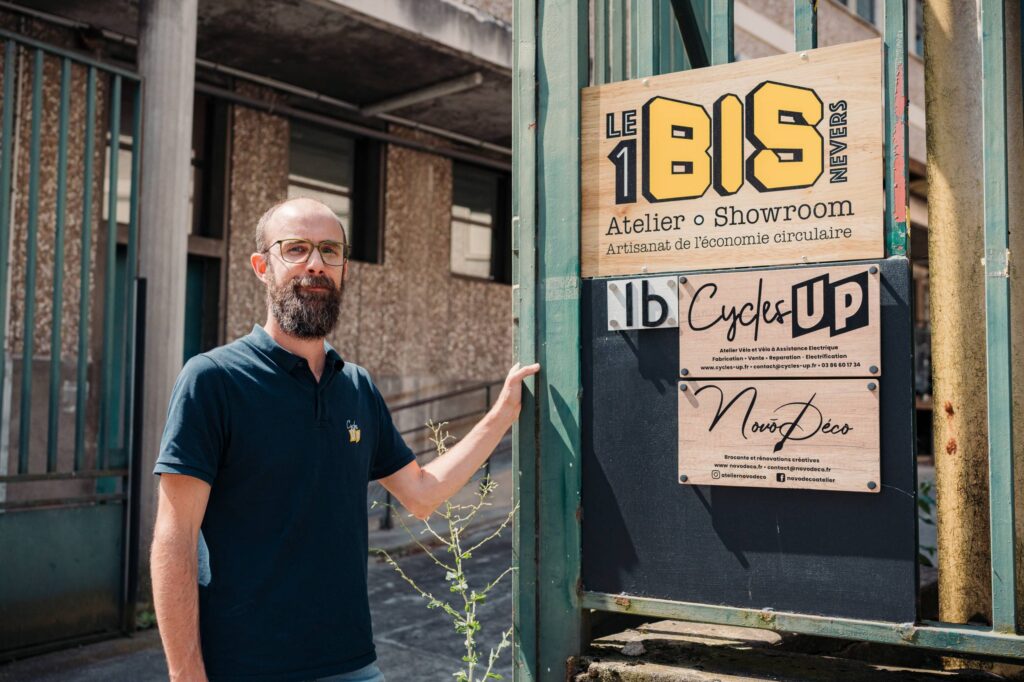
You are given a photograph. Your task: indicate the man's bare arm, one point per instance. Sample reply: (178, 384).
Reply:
(174, 567)
(422, 489)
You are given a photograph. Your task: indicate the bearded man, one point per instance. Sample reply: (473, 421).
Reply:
(259, 555)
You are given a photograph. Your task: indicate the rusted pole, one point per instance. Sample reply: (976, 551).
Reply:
(953, 77)
(957, 304)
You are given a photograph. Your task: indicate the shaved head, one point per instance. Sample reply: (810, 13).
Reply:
(280, 214)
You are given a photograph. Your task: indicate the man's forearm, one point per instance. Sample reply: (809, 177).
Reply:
(176, 599)
(444, 476)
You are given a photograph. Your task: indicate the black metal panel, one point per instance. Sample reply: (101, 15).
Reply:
(829, 553)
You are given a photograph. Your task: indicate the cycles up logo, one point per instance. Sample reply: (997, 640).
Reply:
(763, 162)
(781, 323)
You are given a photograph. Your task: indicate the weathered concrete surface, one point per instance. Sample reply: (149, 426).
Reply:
(672, 651)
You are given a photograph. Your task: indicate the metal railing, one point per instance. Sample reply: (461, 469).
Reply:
(97, 450)
(438, 416)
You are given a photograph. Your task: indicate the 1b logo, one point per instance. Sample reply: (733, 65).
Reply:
(649, 303)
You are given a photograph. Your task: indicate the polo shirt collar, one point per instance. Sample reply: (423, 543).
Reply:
(288, 361)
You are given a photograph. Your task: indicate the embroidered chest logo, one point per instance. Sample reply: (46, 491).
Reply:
(354, 434)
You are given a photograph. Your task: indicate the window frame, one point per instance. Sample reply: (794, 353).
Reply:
(366, 195)
(501, 239)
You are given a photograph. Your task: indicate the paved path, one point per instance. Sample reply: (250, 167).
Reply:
(413, 643)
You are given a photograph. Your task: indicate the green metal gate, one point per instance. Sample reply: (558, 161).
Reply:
(69, 167)
(636, 39)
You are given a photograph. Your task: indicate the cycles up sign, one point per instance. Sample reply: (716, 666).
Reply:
(767, 162)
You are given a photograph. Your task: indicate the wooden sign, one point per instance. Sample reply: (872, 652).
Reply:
(761, 162)
(649, 303)
(782, 433)
(801, 322)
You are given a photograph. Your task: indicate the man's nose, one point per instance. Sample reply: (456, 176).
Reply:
(316, 264)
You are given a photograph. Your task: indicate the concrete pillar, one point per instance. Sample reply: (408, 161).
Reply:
(166, 55)
(957, 296)
(953, 78)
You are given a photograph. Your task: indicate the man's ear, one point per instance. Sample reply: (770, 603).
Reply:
(259, 264)
(344, 271)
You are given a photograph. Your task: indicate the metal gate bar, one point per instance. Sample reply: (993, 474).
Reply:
(997, 319)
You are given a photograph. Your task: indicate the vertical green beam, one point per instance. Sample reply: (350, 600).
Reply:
(524, 266)
(897, 146)
(616, 40)
(805, 24)
(106, 413)
(600, 42)
(131, 266)
(646, 38)
(721, 31)
(997, 317)
(6, 168)
(58, 267)
(667, 34)
(562, 71)
(32, 234)
(83, 277)
(693, 17)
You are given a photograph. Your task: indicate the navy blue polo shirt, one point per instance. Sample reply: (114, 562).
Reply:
(288, 460)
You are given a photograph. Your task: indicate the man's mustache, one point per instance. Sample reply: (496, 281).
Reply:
(320, 281)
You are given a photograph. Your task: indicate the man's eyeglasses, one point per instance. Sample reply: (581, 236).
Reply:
(299, 251)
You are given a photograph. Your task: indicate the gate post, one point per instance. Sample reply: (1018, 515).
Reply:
(548, 621)
(166, 56)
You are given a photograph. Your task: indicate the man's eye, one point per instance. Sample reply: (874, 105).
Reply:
(330, 249)
(297, 249)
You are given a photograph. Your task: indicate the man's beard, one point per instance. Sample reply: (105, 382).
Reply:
(305, 314)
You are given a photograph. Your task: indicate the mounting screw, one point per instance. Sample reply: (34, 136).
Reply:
(614, 323)
(803, 56)
(684, 371)
(873, 369)
(872, 485)
(670, 321)
(873, 269)
(872, 386)
(683, 478)
(646, 82)
(612, 286)
(682, 387)
(682, 280)
(643, 268)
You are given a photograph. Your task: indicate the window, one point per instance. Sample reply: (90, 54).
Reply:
(208, 182)
(481, 223)
(918, 27)
(208, 200)
(209, 189)
(346, 173)
(866, 10)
